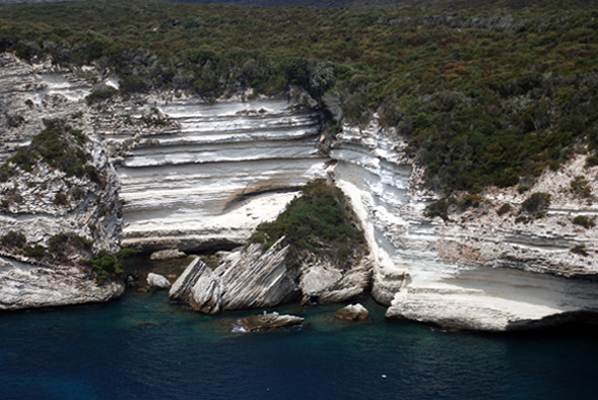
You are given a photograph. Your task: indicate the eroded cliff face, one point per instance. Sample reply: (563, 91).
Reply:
(478, 270)
(89, 208)
(197, 176)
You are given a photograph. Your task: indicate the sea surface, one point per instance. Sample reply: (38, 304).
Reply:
(143, 347)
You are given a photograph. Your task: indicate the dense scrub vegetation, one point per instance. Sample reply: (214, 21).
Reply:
(58, 145)
(320, 221)
(486, 96)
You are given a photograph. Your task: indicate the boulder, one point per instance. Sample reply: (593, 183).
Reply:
(327, 284)
(352, 312)
(267, 321)
(157, 281)
(246, 278)
(169, 254)
(181, 288)
(206, 293)
(251, 279)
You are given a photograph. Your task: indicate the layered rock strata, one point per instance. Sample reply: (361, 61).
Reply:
(196, 176)
(30, 285)
(215, 171)
(247, 278)
(89, 208)
(477, 270)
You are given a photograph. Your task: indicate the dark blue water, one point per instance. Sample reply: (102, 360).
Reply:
(142, 347)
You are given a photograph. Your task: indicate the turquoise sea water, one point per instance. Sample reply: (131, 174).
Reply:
(142, 347)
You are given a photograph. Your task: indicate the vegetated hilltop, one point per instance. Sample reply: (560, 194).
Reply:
(486, 96)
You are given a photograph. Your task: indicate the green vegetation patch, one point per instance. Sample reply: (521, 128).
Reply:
(58, 145)
(485, 95)
(104, 266)
(536, 205)
(320, 221)
(13, 239)
(584, 221)
(505, 208)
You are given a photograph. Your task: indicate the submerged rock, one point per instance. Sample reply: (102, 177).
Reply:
(267, 321)
(169, 254)
(157, 281)
(352, 312)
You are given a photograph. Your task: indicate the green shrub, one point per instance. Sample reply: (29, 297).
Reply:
(14, 239)
(536, 204)
(100, 94)
(505, 208)
(104, 266)
(36, 251)
(61, 200)
(438, 208)
(63, 245)
(580, 249)
(319, 220)
(584, 221)
(580, 187)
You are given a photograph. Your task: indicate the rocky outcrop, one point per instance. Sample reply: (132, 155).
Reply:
(478, 270)
(44, 202)
(206, 180)
(27, 285)
(266, 321)
(352, 312)
(245, 279)
(323, 284)
(157, 281)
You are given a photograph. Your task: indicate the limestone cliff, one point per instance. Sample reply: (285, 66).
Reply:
(40, 201)
(196, 176)
(477, 269)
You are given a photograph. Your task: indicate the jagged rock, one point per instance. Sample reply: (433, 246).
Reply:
(266, 321)
(169, 254)
(157, 281)
(24, 285)
(251, 279)
(200, 287)
(317, 280)
(352, 312)
(331, 285)
(206, 293)
(181, 288)
(245, 279)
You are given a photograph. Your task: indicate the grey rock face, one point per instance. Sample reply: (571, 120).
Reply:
(157, 281)
(331, 285)
(245, 279)
(24, 285)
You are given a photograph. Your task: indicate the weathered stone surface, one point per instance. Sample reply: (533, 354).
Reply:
(181, 288)
(266, 321)
(251, 279)
(245, 279)
(157, 281)
(169, 254)
(206, 293)
(24, 285)
(352, 312)
(326, 284)
(478, 270)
